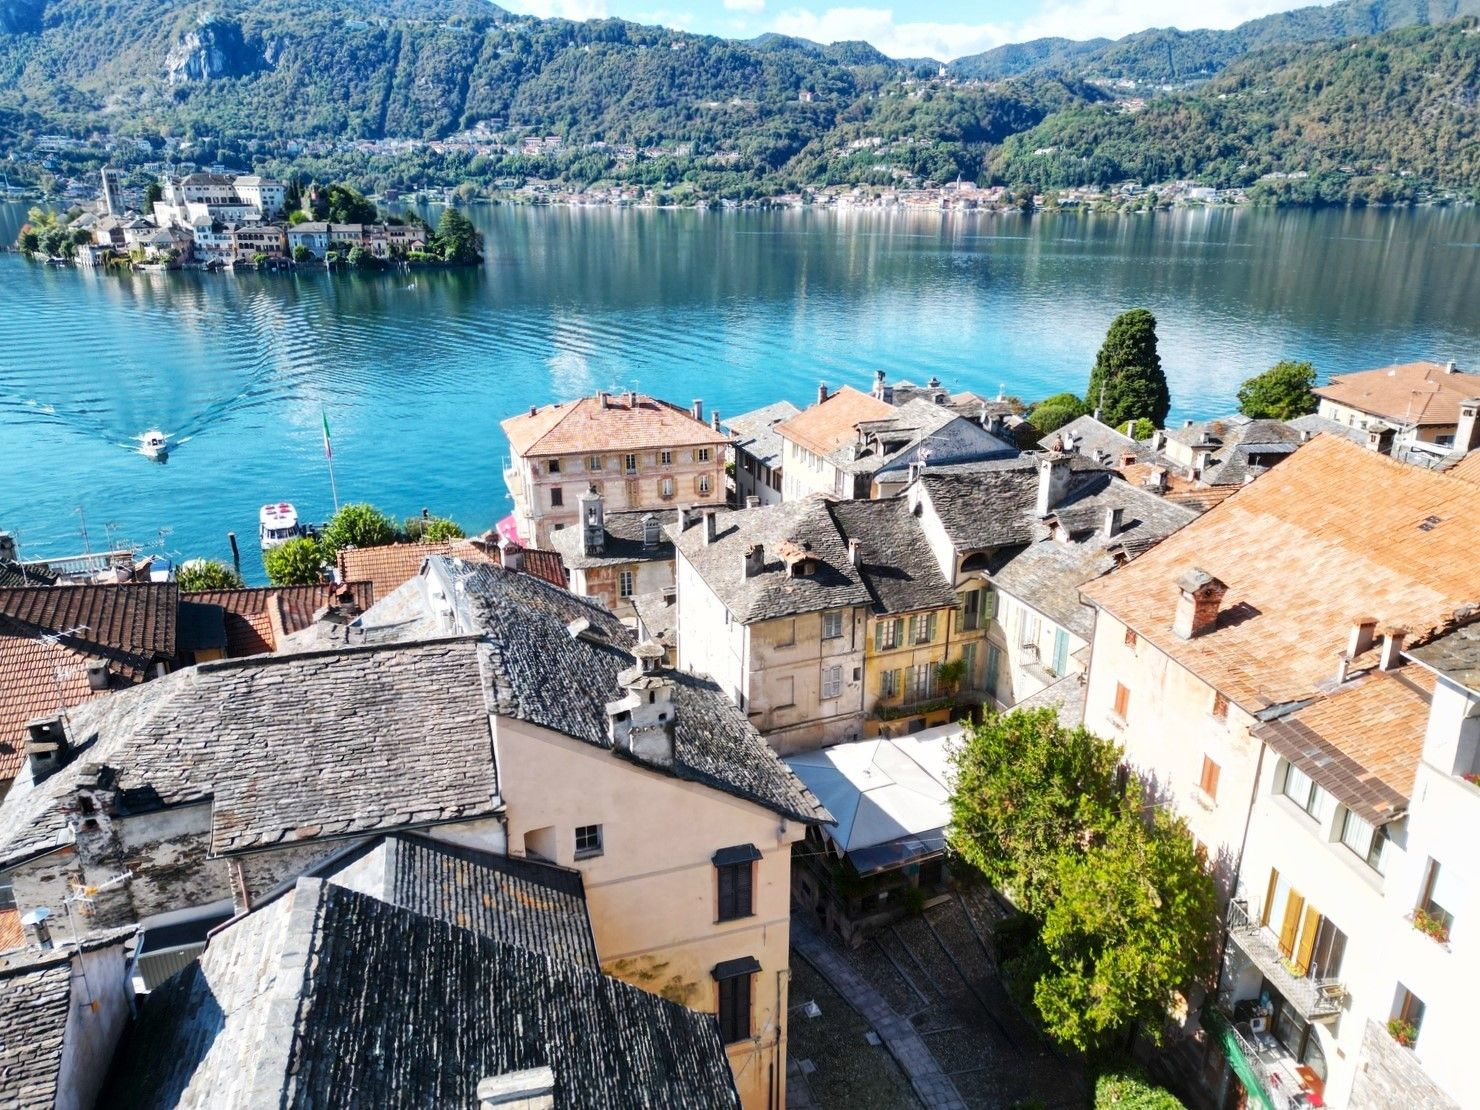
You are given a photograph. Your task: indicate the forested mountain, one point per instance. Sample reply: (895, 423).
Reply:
(1369, 116)
(1166, 55)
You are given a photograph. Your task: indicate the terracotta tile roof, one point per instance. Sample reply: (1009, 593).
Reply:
(11, 934)
(1467, 468)
(1413, 393)
(616, 424)
(545, 565)
(35, 678)
(258, 618)
(389, 566)
(826, 427)
(1363, 742)
(135, 620)
(1335, 533)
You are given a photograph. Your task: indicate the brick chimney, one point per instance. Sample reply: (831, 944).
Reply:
(821, 392)
(1197, 603)
(1466, 436)
(641, 721)
(1053, 482)
(755, 560)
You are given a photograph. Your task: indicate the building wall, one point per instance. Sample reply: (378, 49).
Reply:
(1030, 641)
(786, 658)
(1167, 731)
(1356, 418)
(906, 654)
(755, 479)
(532, 484)
(605, 583)
(804, 473)
(96, 1016)
(709, 641)
(653, 895)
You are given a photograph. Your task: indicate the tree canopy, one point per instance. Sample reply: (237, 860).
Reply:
(1127, 382)
(1123, 912)
(298, 562)
(207, 574)
(358, 525)
(1052, 413)
(1282, 392)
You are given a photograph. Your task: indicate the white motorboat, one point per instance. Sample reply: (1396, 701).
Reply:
(277, 524)
(154, 444)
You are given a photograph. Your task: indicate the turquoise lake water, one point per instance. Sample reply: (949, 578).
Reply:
(416, 371)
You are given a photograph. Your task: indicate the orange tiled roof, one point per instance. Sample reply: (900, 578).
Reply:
(1363, 742)
(824, 428)
(135, 621)
(257, 617)
(11, 933)
(620, 422)
(546, 565)
(1467, 468)
(1334, 533)
(394, 564)
(36, 678)
(1413, 393)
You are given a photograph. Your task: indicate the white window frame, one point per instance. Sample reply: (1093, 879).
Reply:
(832, 626)
(832, 680)
(626, 583)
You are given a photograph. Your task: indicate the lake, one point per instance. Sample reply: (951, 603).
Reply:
(737, 308)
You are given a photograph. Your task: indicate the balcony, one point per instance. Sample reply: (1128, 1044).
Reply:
(1315, 999)
(1272, 1077)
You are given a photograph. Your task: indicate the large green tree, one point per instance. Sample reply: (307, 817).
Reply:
(1120, 912)
(358, 525)
(1282, 392)
(1052, 413)
(207, 574)
(1127, 382)
(456, 239)
(298, 562)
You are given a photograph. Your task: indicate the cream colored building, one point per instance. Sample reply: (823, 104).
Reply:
(638, 452)
(1419, 403)
(1265, 636)
(615, 557)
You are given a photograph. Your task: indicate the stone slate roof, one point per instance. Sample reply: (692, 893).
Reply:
(1066, 698)
(542, 674)
(258, 618)
(1456, 656)
(1363, 741)
(1100, 442)
(623, 542)
(287, 747)
(919, 430)
(756, 434)
(1047, 573)
(1336, 533)
(33, 1019)
(1312, 425)
(514, 901)
(772, 593)
(331, 997)
(895, 560)
(133, 623)
(658, 613)
(990, 504)
(1242, 448)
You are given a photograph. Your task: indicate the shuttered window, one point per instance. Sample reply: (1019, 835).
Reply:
(1209, 780)
(735, 881)
(1122, 701)
(734, 1008)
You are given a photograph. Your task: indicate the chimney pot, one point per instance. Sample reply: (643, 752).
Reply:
(821, 392)
(1053, 482)
(97, 674)
(752, 501)
(1450, 367)
(698, 410)
(36, 928)
(632, 398)
(1113, 517)
(711, 526)
(755, 559)
(534, 410)
(714, 420)
(606, 399)
(1199, 595)
(1392, 650)
(1343, 666)
(1363, 633)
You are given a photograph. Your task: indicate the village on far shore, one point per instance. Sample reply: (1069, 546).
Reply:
(653, 784)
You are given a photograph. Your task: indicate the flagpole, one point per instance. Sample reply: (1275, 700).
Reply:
(329, 455)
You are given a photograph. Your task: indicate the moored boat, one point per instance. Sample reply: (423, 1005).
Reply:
(277, 524)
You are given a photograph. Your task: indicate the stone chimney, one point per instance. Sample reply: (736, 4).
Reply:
(534, 410)
(1392, 650)
(606, 399)
(1158, 440)
(641, 721)
(1466, 436)
(1380, 439)
(632, 398)
(821, 392)
(510, 554)
(855, 550)
(1113, 518)
(7, 547)
(714, 420)
(593, 522)
(879, 384)
(755, 559)
(1200, 594)
(48, 748)
(1156, 479)
(531, 1089)
(94, 798)
(697, 411)
(652, 531)
(97, 674)
(711, 526)
(38, 932)
(1053, 482)
(917, 468)
(1364, 630)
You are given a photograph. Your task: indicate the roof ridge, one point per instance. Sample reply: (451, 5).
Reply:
(270, 659)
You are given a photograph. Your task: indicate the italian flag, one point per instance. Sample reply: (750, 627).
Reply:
(328, 447)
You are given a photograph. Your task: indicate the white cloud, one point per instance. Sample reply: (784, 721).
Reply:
(745, 5)
(1075, 19)
(561, 9)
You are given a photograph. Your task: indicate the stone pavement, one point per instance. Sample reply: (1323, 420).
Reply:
(933, 1087)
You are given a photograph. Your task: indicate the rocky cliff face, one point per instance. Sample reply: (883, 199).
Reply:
(215, 47)
(21, 17)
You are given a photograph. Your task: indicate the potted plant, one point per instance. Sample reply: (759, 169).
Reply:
(1431, 926)
(1402, 1031)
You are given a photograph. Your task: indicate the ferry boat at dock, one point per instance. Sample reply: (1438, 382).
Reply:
(277, 524)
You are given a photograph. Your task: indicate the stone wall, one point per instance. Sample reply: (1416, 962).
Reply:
(1390, 1075)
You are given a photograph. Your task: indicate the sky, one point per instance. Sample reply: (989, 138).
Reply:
(942, 29)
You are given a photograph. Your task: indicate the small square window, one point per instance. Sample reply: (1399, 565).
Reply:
(1220, 706)
(666, 458)
(593, 462)
(832, 626)
(588, 841)
(704, 455)
(554, 466)
(1131, 638)
(629, 464)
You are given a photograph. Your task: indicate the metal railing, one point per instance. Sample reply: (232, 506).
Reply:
(1313, 997)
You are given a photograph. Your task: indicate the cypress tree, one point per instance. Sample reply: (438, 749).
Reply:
(1127, 382)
